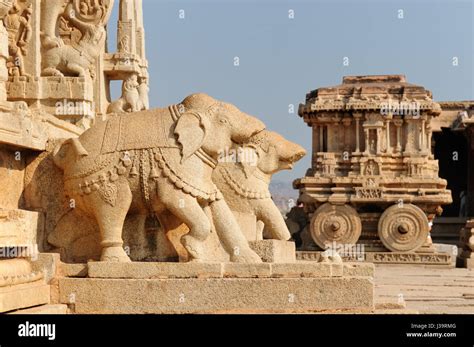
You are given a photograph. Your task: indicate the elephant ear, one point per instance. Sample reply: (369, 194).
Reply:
(191, 129)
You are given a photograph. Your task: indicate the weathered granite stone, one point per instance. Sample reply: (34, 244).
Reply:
(275, 251)
(217, 295)
(24, 295)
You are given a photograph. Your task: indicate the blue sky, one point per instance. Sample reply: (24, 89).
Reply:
(281, 59)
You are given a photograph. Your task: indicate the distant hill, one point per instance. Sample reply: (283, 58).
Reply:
(283, 195)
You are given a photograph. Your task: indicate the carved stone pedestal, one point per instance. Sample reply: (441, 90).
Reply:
(20, 286)
(220, 288)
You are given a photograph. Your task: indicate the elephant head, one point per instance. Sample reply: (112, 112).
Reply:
(68, 152)
(274, 153)
(213, 126)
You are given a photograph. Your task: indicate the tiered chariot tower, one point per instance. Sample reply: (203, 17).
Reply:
(373, 179)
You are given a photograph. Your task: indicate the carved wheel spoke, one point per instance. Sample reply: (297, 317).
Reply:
(332, 223)
(403, 228)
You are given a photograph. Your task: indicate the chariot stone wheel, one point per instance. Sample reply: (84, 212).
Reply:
(335, 223)
(403, 228)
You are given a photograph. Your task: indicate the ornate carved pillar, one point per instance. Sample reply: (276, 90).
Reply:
(315, 138)
(398, 124)
(422, 136)
(367, 144)
(357, 119)
(429, 133)
(387, 133)
(347, 141)
(378, 133)
(321, 137)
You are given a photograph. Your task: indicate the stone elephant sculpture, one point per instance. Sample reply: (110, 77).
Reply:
(244, 182)
(159, 161)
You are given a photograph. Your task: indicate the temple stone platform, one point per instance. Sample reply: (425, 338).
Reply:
(138, 287)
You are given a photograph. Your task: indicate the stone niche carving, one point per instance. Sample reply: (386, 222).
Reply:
(372, 153)
(82, 24)
(58, 62)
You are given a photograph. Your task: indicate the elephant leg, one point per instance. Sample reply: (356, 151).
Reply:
(269, 214)
(230, 235)
(110, 220)
(175, 230)
(190, 212)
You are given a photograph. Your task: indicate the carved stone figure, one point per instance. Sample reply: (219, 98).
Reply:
(76, 59)
(133, 97)
(143, 90)
(5, 6)
(244, 182)
(159, 161)
(19, 31)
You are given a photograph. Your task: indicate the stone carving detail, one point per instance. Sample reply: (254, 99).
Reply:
(18, 25)
(134, 96)
(412, 258)
(335, 224)
(372, 169)
(403, 228)
(369, 193)
(85, 20)
(163, 158)
(386, 258)
(243, 179)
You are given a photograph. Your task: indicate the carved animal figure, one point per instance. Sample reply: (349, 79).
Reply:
(75, 60)
(131, 99)
(159, 161)
(244, 182)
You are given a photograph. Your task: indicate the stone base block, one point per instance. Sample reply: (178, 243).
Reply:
(73, 270)
(435, 258)
(149, 270)
(154, 270)
(275, 251)
(217, 295)
(24, 295)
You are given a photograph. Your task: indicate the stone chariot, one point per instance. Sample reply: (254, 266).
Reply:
(373, 179)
